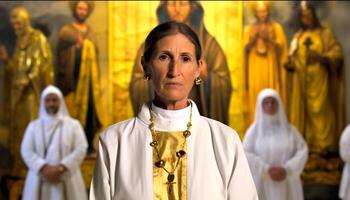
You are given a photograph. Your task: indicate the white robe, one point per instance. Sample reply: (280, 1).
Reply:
(68, 147)
(344, 191)
(216, 164)
(272, 141)
(291, 153)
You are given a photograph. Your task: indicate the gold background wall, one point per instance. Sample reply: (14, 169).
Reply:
(129, 24)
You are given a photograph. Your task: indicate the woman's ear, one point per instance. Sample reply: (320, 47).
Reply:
(202, 69)
(146, 72)
(144, 65)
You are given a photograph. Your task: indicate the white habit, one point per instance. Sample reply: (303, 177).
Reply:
(67, 147)
(216, 164)
(344, 191)
(272, 141)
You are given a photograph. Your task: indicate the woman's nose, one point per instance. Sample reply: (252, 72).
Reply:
(174, 68)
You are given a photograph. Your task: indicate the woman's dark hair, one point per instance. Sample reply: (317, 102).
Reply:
(316, 21)
(166, 29)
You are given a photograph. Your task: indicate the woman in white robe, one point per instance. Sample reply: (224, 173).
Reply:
(54, 140)
(136, 158)
(344, 191)
(275, 150)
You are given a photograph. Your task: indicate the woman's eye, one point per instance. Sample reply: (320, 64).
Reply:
(163, 57)
(186, 58)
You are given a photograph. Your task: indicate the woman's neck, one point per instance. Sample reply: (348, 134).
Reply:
(171, 105)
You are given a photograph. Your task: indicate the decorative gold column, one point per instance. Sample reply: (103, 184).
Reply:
(224, 20)
(129, 24)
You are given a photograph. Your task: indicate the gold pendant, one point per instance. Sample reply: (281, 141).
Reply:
(170, 184)
(160, 164)
(171, 178)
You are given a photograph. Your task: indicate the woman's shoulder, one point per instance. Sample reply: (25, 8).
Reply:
(219, 129)
(225, 141)
(117, 129)
(213, 122)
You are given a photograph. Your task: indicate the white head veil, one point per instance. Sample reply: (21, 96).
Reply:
(62, 110)
(272, 131)
(264, 121)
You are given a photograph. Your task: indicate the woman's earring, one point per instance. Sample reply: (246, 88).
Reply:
(198, 81)
(147, 77)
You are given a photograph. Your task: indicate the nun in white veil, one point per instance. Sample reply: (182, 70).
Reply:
(275, 150)
(57, 142)
(344, 148)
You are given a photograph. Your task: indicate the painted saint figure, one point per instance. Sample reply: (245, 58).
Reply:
(31, 69)
(265, 51)
(77, 71)
(317, 92)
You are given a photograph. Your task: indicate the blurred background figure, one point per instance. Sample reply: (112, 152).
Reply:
(344, 191)
(77, 70)
(53, 147)
(275, 150)
(31, 69)
(317, 95)
(265, 52)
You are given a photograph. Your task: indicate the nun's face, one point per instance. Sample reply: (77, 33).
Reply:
(270, 105)
(52, 103)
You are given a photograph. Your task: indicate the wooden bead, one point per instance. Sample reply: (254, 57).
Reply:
(180, 153)
(187, 133)
(160, 163)
(171, 178)
(153, 143)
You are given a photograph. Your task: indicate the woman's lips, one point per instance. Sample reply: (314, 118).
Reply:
(177, 84)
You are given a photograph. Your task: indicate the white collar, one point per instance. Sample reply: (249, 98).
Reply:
(169, 120)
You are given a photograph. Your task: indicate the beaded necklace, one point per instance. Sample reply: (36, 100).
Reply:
(179, 154)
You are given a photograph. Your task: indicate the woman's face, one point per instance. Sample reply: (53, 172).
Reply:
(173, 68)
(270, 105)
